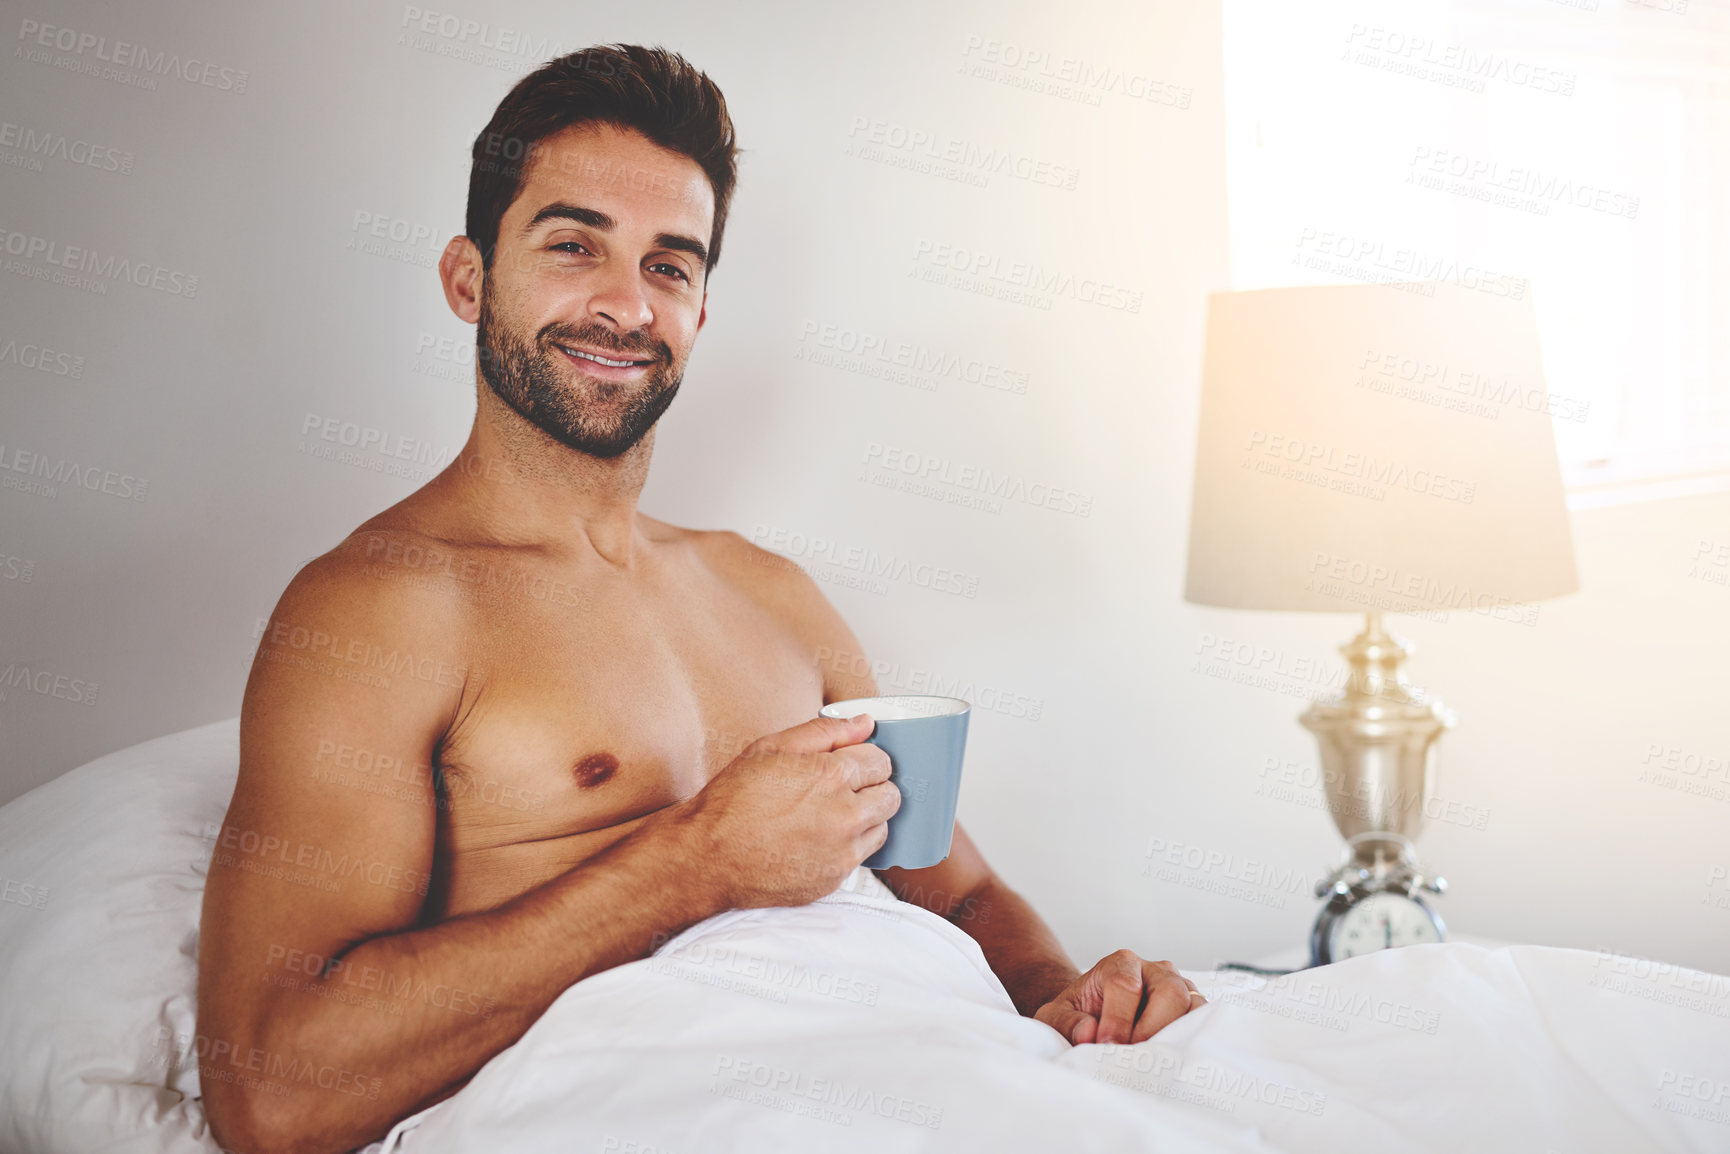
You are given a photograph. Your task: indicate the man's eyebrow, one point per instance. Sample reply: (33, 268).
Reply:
(688, 244)
(559, 210)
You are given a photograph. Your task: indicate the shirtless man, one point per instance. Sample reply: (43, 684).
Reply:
(513, 732)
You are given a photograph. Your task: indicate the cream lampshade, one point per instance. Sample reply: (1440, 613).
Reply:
(1377, 448)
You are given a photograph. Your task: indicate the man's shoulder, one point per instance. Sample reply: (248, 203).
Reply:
(750, 566)
(351, 621)
(390, 577)
(789, 594)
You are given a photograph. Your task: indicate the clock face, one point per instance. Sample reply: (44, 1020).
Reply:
(1379, 922)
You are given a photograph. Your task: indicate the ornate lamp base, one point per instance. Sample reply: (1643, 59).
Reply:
(1378, 745)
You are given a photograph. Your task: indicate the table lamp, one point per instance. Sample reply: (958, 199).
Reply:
(1379, 448)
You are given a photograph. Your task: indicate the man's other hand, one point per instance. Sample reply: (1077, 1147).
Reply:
(1121, 999)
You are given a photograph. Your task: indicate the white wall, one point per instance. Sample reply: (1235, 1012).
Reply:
(256, 193)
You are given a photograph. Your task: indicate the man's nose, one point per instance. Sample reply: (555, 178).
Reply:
(619, 298)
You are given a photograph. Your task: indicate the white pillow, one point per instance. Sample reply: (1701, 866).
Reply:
(101, 880)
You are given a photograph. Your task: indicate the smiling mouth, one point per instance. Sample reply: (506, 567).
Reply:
(596, 358)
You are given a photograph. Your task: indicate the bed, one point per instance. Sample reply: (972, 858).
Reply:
(856, 1023)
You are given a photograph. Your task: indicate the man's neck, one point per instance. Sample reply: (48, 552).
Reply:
(528, 488)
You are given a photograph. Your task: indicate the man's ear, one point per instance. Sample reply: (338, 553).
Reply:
(703, 313)
(460, 271)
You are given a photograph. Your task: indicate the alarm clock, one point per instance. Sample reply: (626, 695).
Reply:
(1373, 901)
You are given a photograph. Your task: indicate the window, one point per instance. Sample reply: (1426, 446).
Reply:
(1578, 149)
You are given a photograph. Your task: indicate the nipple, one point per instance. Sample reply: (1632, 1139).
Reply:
(596, 769)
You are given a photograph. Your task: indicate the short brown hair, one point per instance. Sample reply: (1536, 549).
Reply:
(651, 90)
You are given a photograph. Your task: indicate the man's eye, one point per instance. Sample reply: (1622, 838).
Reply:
(569, 246)
(671, 268)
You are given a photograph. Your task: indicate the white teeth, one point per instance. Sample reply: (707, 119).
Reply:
(599, 360)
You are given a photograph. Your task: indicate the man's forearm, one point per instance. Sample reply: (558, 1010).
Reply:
(511, 963)
(1020, 948)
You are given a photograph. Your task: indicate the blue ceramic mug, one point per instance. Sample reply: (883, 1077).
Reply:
(925, 738)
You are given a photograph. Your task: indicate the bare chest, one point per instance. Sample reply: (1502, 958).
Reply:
(581, 720)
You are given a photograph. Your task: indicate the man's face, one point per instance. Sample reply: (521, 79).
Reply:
(596, 293)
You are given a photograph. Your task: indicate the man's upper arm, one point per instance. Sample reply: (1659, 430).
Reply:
(330, 835)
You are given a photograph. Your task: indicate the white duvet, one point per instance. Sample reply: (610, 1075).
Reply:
(857, 1023)
(860, 1023)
